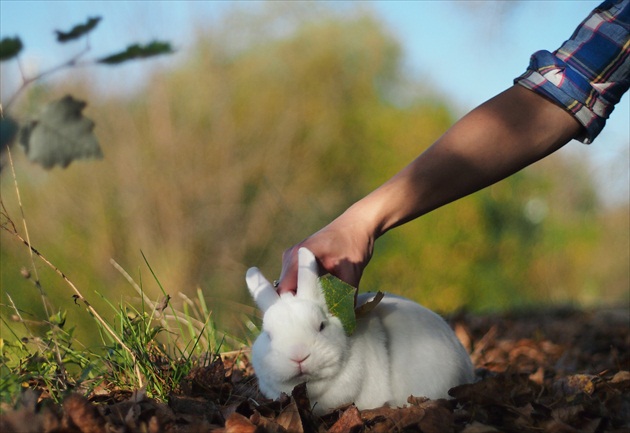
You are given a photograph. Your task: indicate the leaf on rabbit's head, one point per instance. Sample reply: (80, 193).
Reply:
(340, 298)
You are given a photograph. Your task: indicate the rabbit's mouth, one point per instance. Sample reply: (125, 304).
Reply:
(302, 366)
(302, 373)
(297, 379)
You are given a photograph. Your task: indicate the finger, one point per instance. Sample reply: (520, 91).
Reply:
(288, 277)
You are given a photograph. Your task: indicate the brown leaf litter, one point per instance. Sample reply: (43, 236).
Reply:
(560, 371)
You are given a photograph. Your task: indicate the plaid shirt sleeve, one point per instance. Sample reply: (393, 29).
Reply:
(590, 72)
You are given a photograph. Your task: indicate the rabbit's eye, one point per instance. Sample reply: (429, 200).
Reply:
(322, 326)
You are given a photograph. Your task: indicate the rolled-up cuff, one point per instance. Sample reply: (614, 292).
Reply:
(552, 78)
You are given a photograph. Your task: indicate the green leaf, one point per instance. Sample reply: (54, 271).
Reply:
(9, 48)
(58, 319)
(78, 30)
(340, 301)
(137, 51)
(60, 134)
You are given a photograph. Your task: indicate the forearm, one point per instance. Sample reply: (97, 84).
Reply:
(500, 137)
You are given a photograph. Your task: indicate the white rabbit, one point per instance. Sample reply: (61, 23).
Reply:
(398, 349)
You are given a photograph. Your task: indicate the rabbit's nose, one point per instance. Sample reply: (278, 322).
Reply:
(299, 353)
(300, 359)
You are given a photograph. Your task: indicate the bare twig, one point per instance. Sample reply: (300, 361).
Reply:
(19, 198)
(26, 81)
(19, 315)
(57, 352)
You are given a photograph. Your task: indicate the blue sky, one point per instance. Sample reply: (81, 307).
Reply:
(466, 50)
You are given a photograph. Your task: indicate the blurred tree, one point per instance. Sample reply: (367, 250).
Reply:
(279, 120)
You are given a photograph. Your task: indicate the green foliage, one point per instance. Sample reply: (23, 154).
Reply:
(49, 362)
(143, 347)
(78, 31)
(60, 135)
(10, 47)
(137, 51)
(148, 359)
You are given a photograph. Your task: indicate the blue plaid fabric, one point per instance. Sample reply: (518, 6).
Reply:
(590, 72)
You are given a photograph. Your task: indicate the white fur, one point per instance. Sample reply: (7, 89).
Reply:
(399, 349)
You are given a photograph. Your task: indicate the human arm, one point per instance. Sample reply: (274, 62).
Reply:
(498, 138)
(585, 78)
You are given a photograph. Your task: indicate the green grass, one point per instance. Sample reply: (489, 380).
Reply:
(150, 346)
(146, 345)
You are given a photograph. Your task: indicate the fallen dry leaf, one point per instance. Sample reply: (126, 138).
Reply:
(237, 423)
(350, 421)
(544, 371)
(82, 415)
(290, 419)
(477, 427)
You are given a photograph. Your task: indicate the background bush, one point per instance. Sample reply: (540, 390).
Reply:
(262, 137)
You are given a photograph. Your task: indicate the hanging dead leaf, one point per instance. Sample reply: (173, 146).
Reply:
(60, 134)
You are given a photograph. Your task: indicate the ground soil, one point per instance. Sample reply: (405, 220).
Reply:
(558, 370)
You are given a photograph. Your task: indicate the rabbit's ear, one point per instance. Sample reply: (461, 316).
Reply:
(261, 290)
(308, 276)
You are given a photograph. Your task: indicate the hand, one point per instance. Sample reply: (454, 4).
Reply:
(342, 248)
